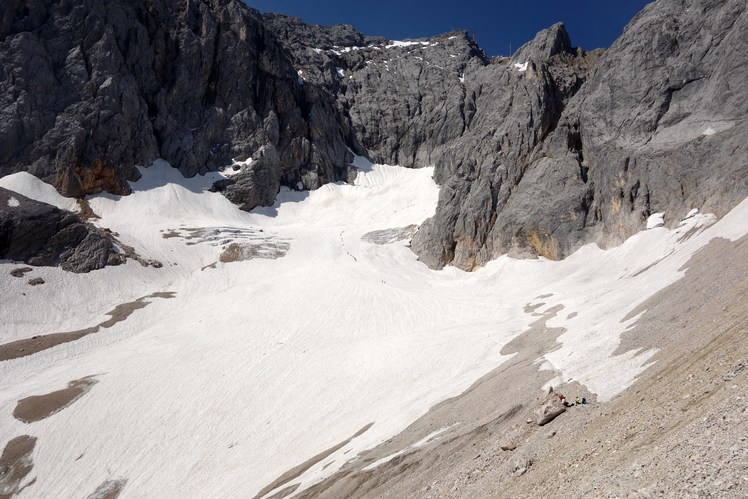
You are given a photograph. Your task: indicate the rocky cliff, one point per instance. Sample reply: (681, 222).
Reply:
(554, 147)
(89, 89)
(536, 154)
(656, 127)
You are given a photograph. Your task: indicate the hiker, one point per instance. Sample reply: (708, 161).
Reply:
(579, 401)
(564, 401)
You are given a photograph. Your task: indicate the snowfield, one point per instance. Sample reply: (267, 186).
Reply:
(256, 366)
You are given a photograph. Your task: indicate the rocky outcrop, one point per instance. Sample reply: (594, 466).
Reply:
(663, 121)
(89, 89)
(441, 101)
(40, 234)
(536, 154)
(404, 101)
(656, 127)
(554, 147)
(495, 186)
(550, 409)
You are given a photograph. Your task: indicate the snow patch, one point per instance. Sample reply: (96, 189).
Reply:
(398, 43)
(656, 220)
(13, 202)
(343, 50)
(236, 167)
(521, 67)
(340, 71)
(28, 185)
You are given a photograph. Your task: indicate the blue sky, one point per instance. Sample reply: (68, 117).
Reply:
(497, 25)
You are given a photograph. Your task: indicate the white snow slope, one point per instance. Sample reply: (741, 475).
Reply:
(256, 366)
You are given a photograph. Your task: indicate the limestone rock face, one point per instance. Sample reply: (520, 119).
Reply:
(40, 234)
(497, 186)
(404, 102)
(663, 121)
(441, 101)
(536, 154)
(89, 89)
(554, 147)
(658, 125)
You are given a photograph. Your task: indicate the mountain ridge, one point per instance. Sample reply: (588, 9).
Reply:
(536, 154)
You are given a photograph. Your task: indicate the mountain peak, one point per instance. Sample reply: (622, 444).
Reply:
(546, 44)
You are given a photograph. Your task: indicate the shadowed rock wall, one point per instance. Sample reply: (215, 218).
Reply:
(89, 89)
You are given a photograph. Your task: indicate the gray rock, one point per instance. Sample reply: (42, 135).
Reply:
(403, 103)
(496, 184)
(520, 466)
(481, 121)
(644, 114)
(40, 234)
(548, 411)
(20, 271)
(36, 281)
(552, 41)
(575, 163)
(90, 89)
(536, 154)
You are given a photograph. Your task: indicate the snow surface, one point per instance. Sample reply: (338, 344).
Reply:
(256, 366)
(27, 185)
(655, 220)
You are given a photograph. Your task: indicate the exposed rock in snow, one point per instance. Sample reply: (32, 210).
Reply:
(40, 234)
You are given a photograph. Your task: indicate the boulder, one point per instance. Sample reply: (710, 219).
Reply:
(549, 410)
(40, 234)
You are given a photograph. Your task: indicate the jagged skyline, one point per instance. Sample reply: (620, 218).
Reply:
(499, 27)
